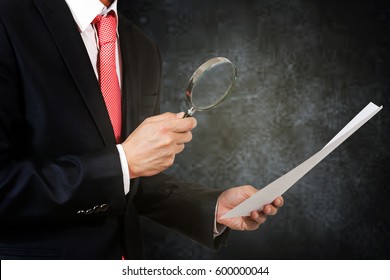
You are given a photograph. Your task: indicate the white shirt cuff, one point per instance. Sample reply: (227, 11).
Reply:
(218, 228)
(125, 168)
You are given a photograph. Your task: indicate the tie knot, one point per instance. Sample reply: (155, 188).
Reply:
(106, 27)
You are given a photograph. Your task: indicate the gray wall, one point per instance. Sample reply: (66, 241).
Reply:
(305, 69)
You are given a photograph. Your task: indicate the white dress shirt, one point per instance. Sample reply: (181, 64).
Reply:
(84, 12)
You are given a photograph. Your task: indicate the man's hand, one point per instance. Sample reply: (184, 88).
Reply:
(152, 147)
(234, 196)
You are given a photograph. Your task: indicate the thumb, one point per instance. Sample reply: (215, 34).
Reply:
(161, 117)
(180, 115)
(247, 191)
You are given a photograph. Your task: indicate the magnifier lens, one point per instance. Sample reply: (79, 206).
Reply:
(210, 84)
(213, 85)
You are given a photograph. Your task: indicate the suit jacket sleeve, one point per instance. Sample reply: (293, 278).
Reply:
(185, 207)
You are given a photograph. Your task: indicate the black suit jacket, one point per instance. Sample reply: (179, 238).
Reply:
(61, 184)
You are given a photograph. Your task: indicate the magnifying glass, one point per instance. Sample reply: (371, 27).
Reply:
(210, 84)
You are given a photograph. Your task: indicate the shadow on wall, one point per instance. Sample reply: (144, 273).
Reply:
(305, 69)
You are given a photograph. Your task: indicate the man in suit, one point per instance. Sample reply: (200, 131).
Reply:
(70, 187)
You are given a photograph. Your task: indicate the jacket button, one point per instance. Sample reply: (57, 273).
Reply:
(96, 209)
(104, 207)
(89, 211)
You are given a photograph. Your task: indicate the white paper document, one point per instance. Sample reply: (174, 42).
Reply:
(282, 184)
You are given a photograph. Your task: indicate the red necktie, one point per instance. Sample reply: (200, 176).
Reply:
(108, 78)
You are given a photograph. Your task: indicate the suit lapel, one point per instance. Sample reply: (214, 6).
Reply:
(130, 77)
(69, 42)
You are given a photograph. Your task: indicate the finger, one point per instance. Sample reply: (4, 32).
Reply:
(182, 138)
(180, 115)
(247, 191)
(258, 217)
(161, 117)
(253, 224)
(182, 125)
(278, 202)
(270, 210)
(179, 148)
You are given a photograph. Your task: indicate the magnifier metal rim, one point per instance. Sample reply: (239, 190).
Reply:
(200, 72)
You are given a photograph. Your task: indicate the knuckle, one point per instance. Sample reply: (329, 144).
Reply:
(251, 188)
(189, 136)
(147, 120)
(163, 128)
(191, 123)
(180, 148)
(169, 115)
(168, 141)
(170, 161)
(195, 122)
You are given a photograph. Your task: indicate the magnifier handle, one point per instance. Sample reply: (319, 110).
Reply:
(189, 113)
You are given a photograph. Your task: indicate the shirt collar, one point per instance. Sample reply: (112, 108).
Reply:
(85, 11)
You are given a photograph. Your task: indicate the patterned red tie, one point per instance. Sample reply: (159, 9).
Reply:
(108, 78)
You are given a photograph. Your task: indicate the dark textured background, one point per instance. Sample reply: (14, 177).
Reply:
(305, 69)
